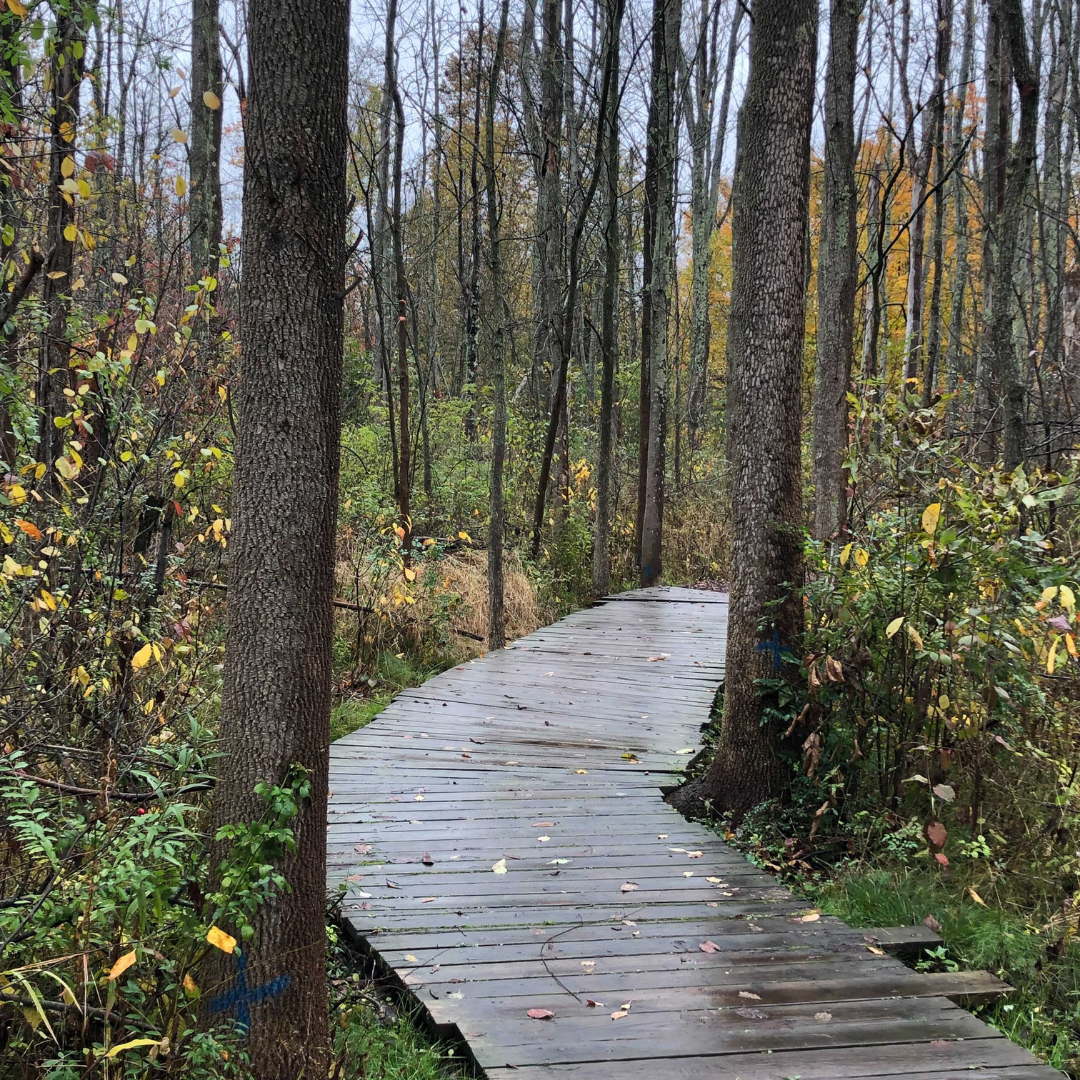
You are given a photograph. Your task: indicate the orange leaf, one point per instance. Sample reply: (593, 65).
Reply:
(122, 965)
(29, 528)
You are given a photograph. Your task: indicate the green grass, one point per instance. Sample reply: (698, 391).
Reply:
(351, 714)
(1043, 1013)
(371, 1047)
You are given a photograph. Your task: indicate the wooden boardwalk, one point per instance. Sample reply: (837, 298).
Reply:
(505, 847)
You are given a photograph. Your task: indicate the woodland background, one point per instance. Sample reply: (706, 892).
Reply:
(536, 409)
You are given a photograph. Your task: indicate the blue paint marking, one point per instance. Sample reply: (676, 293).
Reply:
(774, 647)
(241, 996)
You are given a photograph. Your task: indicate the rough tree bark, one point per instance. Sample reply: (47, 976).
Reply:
(836, 273)
(601, 567)
(204, 198)
(667, 25)
(276, 701)
(1008, 17)
(765, 355)
(496, 636)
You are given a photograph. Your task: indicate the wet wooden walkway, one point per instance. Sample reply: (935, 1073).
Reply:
(506, 850)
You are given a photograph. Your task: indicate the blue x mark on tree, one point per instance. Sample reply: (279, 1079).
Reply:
(241, 997)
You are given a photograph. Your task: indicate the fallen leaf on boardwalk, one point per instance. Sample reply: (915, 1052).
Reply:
(499, 867)
(588, 963)
(415, 821)
(428, 899)
(875, 950)
(593, 1004)
(392, 884)
(121, 965)
(618, 1015)
(541, 1014)
(823, 1017)
(694, 854)
(812, 916)
(661, 836)
(714, 880)
(688, 873)
(629, 756)
(748, 994)
(581, 772)
(709, 946)
(628, 887)
(752, 1014)
(975, 896)
(543, 839)
(412, 959)
(680, 850)
(558, 862)
(687, 750)
(541, 824)
(419, 798)
(355, 877)
(427, 860)
(662, 656)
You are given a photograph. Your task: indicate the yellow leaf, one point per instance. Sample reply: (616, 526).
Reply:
(181, 186)
(6, 534)
(464, 536)
(189, 985)
(179, 136)
(1051, 657)
(142, 657)
(410, 575)
(915, 636)
(1070, 644)
(845, 555)
(84, 188)
(500, 867)
(56, 275)
(119, 278)
(121, 965)
(211, 100)
(1067, 597)
(11, 567)
(1049, 592)
(218, 938)
(67, 167)
(66, 469)
(862, 557)
(17, 495)
(930, 517)
(133, 1043)
(29, 528)
(71, 233)
(975, 896)
(895, 625)
(17, 8)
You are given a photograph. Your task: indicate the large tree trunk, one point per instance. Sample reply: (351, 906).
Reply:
(496, 637)
(944, 12)
(601, 567)
(276, 701)
(1008, 17)
(836, 274)
(204, 199)
(667, 22)
(765, 360)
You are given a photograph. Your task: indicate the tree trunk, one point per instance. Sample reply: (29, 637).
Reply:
(276, 699)
(667, 22)
(496, 637)
(944, 13)
(1008, 16)
(204, 198)
(601, 567)
(765, 359)
(836, 274)
(54, 375)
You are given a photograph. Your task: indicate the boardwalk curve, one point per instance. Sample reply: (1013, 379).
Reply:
(546, 760)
